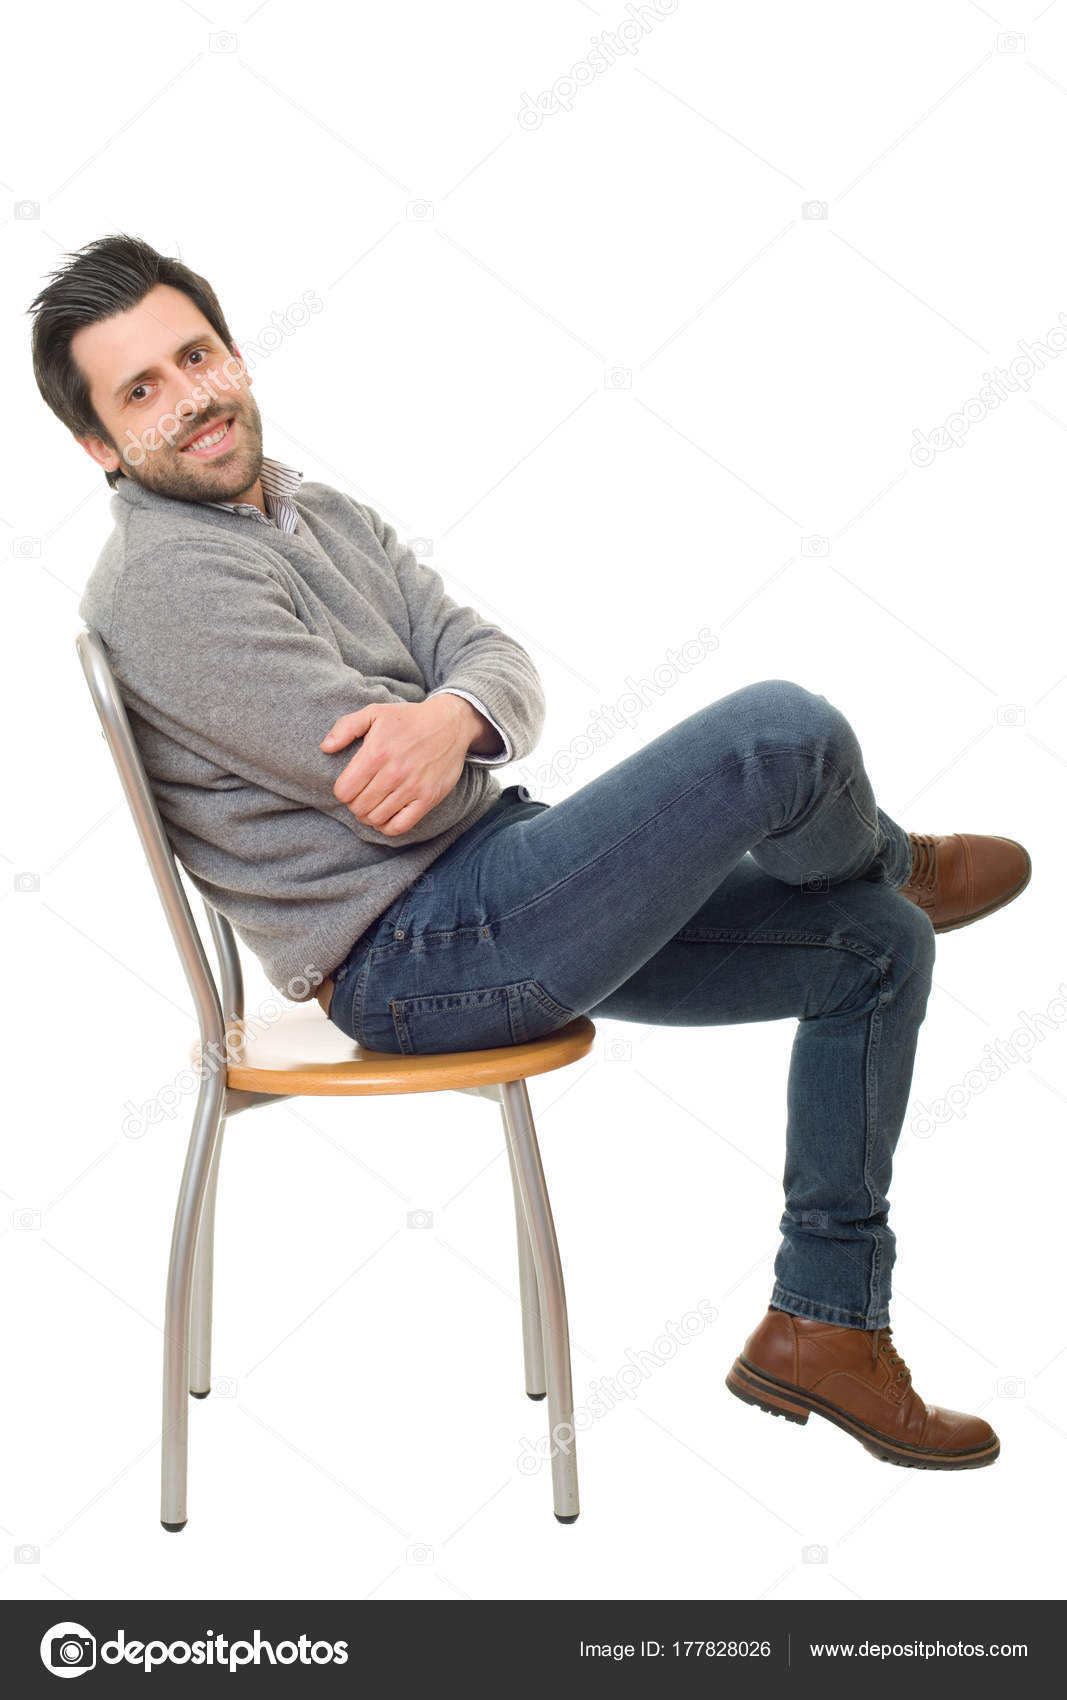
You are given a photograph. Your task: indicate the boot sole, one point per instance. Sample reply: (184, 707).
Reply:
(991, 909)
(755, 1387)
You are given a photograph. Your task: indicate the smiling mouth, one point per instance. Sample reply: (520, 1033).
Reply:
(213, 441)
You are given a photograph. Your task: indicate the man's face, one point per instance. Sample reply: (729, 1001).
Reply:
(159, 377)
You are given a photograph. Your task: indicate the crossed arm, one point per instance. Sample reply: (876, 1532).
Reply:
(210, 649)
(411, 757)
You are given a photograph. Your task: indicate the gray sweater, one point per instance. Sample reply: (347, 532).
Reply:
(236, 647)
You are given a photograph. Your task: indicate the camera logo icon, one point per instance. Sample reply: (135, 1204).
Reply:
(1010, 714)
(68, 1649)
(1011, 1387)
(814, 545)
(420, 1218)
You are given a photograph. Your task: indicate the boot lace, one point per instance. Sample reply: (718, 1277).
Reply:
(924, 860)
(881, 1342)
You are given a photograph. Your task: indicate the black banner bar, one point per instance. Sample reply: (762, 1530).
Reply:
(681, 1645)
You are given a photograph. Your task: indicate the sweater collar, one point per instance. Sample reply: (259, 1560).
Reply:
(280, 484)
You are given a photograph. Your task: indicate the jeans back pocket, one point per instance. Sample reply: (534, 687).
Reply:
(477, 1020)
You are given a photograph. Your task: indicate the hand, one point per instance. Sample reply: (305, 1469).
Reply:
(411, 757)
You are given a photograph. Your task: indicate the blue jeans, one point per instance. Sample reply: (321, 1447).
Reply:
(734, 869)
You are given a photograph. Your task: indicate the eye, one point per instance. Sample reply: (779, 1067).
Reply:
(204, 352)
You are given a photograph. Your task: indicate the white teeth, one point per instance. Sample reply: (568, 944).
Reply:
(208, 442)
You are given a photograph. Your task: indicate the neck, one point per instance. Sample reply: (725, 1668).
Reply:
(254, 497)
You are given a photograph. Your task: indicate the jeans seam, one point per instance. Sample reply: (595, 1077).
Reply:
(874, 1036)
(858, 1320)
(731, 935)
(358, 996)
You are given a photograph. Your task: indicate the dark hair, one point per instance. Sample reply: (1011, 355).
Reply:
(106, 277)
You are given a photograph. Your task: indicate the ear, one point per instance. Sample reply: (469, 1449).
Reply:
(244, 368)
(101, 452)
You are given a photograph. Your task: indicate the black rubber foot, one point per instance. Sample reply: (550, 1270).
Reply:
(535, 1395)
(193, 1394)
(560, 1519)
(174, 1528)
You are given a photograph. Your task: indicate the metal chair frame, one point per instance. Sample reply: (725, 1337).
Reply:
(188, 1310)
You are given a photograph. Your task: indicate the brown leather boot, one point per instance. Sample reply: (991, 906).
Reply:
(959, 877)
(856, 1378)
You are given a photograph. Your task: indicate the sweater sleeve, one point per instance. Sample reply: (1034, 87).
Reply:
(213, 653)
(456, 648)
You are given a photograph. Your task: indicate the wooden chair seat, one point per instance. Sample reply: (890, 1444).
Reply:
(302, 1052)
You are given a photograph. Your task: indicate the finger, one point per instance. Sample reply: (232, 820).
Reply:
(381, 814)
(405, 818)
(365, 784)
(350, 726)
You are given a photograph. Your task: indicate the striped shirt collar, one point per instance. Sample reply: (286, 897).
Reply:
(279, 484)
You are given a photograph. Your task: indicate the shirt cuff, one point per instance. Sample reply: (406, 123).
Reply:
(482, 761)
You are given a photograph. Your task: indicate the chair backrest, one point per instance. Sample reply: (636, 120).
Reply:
(210, 1009)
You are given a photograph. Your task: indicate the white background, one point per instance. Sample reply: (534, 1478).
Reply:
(484, 286)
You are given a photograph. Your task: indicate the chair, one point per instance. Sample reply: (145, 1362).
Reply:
(304, 1053)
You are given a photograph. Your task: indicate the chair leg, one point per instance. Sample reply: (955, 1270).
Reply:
(533, 1351)
(203, 1282)
(203, 1142)
(544, 1251)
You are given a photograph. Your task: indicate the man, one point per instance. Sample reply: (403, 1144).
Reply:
(736, 868)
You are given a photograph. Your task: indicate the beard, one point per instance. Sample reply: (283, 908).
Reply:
(167, 471)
